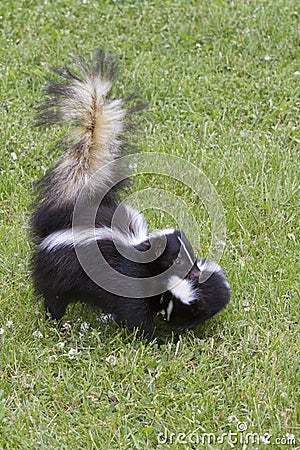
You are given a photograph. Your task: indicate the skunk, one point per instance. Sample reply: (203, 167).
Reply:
(91, 247)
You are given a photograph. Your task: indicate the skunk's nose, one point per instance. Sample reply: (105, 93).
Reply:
(194, 273)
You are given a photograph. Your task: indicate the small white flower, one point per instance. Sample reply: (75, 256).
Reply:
(51, 358)
(232, 419)
(220, 243)
(14, 156)
(267, 58)
(9, 324)
(111, 360)
(72, 353)
(105, 318)
(37, 333)
(60, 344)
(84, 326)
(67, 326)
(297, 73)
(1, 330)
(290, 436)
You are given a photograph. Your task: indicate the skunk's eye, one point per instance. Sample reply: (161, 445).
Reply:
(178, 261)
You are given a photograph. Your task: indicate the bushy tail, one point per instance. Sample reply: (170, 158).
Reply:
(80, 98)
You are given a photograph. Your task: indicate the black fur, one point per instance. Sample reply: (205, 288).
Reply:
(60, 279)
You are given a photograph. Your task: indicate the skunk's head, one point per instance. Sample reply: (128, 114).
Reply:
(197, 297)
(195, 289)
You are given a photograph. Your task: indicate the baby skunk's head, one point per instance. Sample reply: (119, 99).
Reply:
(197, 297)
(195, 289)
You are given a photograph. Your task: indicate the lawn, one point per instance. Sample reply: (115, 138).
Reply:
(221, 79)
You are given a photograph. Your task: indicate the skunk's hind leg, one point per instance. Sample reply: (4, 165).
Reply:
(56, 305)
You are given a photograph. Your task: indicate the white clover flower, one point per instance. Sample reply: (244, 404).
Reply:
(232, 419)
(1, 330)
(111, 360)
(84, 326)
(51, 358)
(67, 326)
(105, 318)
(37, 333)
(290, 436)
(72, 353)
(9, 324)
(13, 156)
(297, 73)
(60, 344)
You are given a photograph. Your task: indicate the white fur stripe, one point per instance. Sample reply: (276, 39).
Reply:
(75, 236)
(169, 310)
(84, 236)
(138, 225)
(164, 232)
(186, 251)
(167, 231)
(182, 289)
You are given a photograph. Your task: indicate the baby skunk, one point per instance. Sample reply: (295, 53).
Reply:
(89, 246)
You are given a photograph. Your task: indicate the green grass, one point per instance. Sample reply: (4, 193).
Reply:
(222, 82)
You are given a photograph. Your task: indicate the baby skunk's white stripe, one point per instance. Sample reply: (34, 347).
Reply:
(186, 251)
(77, 236)
(84, 236)
(137, 225)
(167, 231)
(169, 310)
(164, 232)
(182, 289)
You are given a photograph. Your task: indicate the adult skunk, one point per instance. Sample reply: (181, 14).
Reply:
(89, 246)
